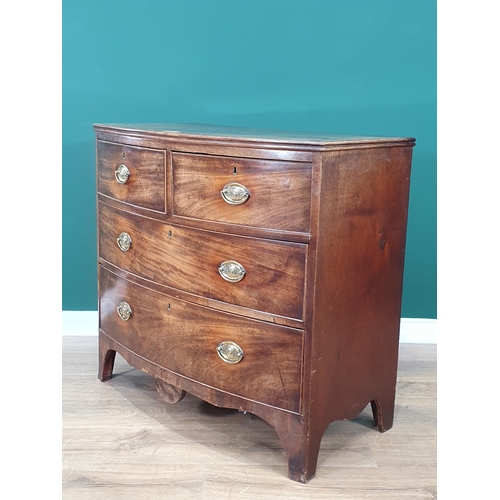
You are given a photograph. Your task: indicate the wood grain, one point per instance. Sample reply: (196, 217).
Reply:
(280, 192)
(146, 185)
(183, 338)
(358, 301)
(122, 441)
(169, 254)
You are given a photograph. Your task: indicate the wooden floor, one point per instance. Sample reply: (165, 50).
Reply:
(121, 441)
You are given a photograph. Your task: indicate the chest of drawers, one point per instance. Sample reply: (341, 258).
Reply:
(256, 270)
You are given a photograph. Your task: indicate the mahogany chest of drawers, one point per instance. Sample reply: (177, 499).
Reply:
(256, 270)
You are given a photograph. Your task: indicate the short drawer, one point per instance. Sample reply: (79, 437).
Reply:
(258, 193)
(263, 361)
(258, 274)
(132, 174)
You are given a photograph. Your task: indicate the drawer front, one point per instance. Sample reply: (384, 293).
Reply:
(271, 276)
(184, 337)
(143, 185)
(269, 194)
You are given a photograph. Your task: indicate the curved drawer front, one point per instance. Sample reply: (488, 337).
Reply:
(132, 174)
(258, 193)
(259, 274)
(263, 360)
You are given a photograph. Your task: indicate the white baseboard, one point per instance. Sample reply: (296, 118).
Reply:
(80, 323)
(413, 330)
(418, 331)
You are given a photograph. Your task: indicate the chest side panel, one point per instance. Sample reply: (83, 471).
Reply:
(358, 279)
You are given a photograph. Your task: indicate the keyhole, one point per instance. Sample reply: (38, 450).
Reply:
(168, 308)
(235, 170)
(123, 156)
(170, 234)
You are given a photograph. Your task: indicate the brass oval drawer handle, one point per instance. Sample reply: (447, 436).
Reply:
(122, 174)
(232, 271)
(230, 352)
(124, 311)
(234, 193)
(124, 242)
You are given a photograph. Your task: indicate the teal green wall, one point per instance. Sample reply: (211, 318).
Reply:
(351, 66)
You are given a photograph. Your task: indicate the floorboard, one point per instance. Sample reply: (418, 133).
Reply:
(122, 441)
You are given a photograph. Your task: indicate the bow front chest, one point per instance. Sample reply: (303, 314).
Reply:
(256, 270)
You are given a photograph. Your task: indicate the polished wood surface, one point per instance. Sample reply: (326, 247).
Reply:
(146, 185)
(182, 338)
(204, 132)
(280, 192)
(347, 204)
(274, 278)
(121, 441)
(361, 291)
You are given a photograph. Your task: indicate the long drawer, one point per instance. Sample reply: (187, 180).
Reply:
(259, 274)
(267, 194)
(256, 360)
